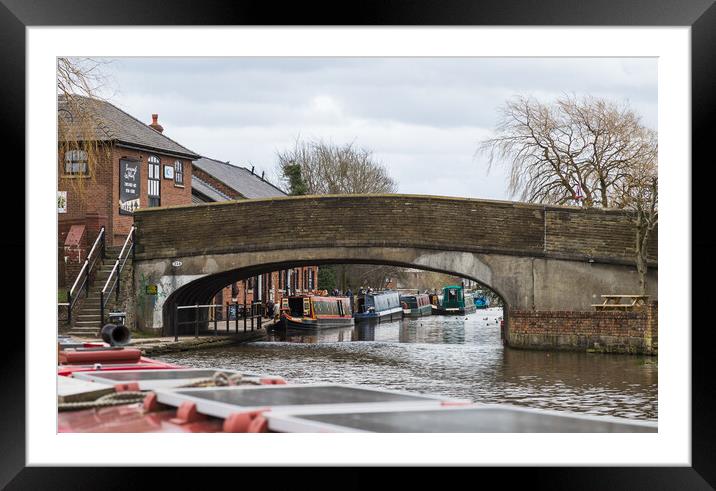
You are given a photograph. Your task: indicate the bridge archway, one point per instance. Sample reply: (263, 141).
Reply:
(201, 290)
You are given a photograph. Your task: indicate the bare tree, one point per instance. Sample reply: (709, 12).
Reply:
(336, 169)
(569, 150)
(316, 167)
(585, 150)
(639, 193)
(80, 81)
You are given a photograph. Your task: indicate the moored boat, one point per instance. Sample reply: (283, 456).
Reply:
(455, 301)
(316, 312)
(380, 307)
(416, 305)
(481, 302)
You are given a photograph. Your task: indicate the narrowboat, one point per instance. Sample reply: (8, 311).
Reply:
(481, 302)
(416, 305)
(316, 312)
(455, 301)
(381, 307)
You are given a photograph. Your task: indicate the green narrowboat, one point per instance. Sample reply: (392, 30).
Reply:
(455, 301)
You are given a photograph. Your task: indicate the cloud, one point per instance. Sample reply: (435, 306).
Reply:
(422, 117)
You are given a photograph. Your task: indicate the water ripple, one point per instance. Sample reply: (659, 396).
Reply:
(454, 357)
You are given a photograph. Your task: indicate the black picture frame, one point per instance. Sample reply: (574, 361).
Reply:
(700, 15)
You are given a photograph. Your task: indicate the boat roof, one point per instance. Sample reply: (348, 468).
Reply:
(414, 295)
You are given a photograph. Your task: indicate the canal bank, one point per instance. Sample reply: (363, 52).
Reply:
(154, 346)
(460, 357)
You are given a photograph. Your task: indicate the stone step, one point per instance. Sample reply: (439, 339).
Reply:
(95, 324)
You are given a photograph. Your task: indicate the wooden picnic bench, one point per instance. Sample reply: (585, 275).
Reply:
(614, 302)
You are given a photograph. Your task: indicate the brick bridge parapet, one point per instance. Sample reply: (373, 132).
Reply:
(424, 222)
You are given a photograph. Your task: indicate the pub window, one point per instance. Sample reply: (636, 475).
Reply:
(76, 163)
(179, 172)
(154, 181)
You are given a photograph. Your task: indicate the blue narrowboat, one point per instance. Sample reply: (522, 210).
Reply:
(381, 307)
(481, 302)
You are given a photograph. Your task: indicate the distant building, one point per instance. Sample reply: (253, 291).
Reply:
(216, 181)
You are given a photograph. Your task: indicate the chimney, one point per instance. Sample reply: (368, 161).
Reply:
(252, 170)
(262, 175)
(155, 125)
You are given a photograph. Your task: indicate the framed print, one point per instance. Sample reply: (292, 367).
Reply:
(498, 243)
(61, 201)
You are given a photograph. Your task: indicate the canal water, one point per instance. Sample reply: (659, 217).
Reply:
(459, 357)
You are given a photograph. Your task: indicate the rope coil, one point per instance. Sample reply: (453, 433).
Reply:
(219, 379)
(114, 399)
(222, 379)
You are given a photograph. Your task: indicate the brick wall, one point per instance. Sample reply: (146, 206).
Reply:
(94, 200)
(85, 194)
(634, 332)
(387, 221)
(171, 193)
(274, 284)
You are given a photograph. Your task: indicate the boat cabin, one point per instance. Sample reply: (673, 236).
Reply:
(378, 302)
(455, 297)
(315, 307)
(415, 301)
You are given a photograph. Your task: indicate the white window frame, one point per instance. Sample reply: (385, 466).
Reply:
(154, 180)
(76, 158)
(179, 173)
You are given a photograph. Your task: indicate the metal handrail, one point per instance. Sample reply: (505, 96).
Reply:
(181, 307)
(84, 273)
(100, 235)
(105, 294)
(255, 311)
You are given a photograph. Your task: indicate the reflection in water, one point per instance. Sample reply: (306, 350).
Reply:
(454, 356)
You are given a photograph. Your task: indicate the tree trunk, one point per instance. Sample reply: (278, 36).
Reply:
(642, 240)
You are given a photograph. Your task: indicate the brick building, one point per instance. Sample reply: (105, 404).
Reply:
(109, 164)
(214, 180)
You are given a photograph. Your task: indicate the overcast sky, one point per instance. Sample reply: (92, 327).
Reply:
(422, 117)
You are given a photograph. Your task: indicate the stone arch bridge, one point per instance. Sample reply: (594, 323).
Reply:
(538, 258)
